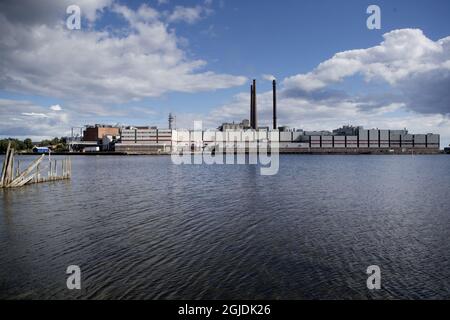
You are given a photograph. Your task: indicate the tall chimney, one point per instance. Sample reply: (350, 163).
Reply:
(274, 87)
(251, 106)
(255, 113)
(170, 121)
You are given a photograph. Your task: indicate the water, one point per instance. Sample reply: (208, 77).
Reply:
(143, 228)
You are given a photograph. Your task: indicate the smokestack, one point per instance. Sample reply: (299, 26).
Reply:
(274, 87)
(251, 106)
(255, 113)
(170, 121)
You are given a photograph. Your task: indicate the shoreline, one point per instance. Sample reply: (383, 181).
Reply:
(284, 152)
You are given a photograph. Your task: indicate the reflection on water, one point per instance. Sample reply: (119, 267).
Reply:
(141, 227)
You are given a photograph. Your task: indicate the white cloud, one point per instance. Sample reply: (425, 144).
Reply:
(36, 115)
(22, 119)
(98, 66)
(268, 77)
(406, 60)
(189, 15)
(56, 107)
(402, 53)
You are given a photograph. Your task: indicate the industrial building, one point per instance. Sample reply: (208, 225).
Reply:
(362, 141)
(94, 138)
(98, 131)
(353, 140)
(345, 140)
(144, 140)
(243, 125)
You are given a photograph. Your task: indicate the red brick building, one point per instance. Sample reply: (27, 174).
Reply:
(97, 132)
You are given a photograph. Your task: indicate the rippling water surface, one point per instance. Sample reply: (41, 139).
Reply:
(143, 228)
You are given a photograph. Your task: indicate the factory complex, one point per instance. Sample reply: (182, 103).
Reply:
(247, 136)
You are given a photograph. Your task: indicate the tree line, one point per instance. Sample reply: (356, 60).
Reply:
(27, 145)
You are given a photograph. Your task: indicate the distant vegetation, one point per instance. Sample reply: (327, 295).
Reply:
(57, 144)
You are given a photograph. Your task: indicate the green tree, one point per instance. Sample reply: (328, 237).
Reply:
(44, 143)
(16, 144)
(28, 144)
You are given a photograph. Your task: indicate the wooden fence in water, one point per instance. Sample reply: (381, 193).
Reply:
(12, 177)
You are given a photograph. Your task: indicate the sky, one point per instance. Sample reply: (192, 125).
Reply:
(133, 62)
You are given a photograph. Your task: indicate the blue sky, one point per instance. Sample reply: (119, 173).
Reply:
(133, 62)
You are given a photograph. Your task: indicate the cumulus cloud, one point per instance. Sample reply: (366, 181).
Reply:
(407, 61)
(22, 118)
(428, 92)
(402, 53)
(190, 15)
(98, 66)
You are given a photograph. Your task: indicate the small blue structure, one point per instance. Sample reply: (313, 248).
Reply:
(41, 149)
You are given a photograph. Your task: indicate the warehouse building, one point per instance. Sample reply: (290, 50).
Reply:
(360, 140)
(144, 140)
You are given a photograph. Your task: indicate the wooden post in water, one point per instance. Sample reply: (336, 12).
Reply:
(12, 177)
(69, 167)
(9, 167)
(18, 168)
(4, 166)
(36, 177)
(11, 171)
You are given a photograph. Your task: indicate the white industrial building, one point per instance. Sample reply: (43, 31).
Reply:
(152, 140)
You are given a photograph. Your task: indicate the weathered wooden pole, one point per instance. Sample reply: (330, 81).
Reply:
(9, 167)
(68, 167)
(18, 168)
(11, 171)
(5, 165)
(37, 173)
